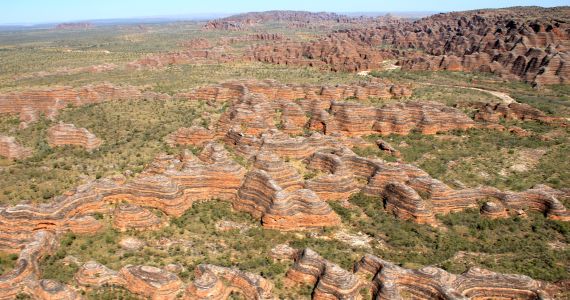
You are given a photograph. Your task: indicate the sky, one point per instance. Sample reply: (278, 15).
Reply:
(44, 11)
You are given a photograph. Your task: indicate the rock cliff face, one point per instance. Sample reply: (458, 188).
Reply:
(67, 134)
(10, 149)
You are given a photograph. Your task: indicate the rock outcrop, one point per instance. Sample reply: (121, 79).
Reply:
(389, 281)
(410, 193)
(93, 274)
(214, 282)
(24, 277)
(195, 136)
(330, 280)
(133, 217)
(272, 90)
(393, 282)
(151, 282)
(277, 208)
(529, 44)
(11, 149)
(493, 113)
(67, 134)
(48, 101)
(525, 43)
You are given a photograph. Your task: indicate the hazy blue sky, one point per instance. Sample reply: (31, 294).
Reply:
(36, 11)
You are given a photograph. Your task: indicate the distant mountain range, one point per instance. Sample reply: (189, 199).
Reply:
(192, 17)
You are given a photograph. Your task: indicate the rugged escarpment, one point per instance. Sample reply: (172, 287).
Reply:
(67, 134)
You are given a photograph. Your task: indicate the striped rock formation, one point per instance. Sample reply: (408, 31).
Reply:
(151, 282)
(273, 90)
(277, 208)
(525, 43)
(172, 184)
(334, 53)
(338, 183)
(48, 289)
(494, 210)
(11, 149)
(330, 281)
(349, 118)
(393, 282)
(514, 111)
(253, 114)
(195, 136)
(405, 203)
(410, 193)
(214, 282)
(384, 280)
(293, 118)
(284, 174)
(182, 181)
(24, 278)
(207, 285)
(93, 274)
(67, 134)
(50, 100)
(211, 282)
(133, 217)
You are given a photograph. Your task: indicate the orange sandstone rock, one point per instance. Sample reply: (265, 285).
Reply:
(67, 134)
